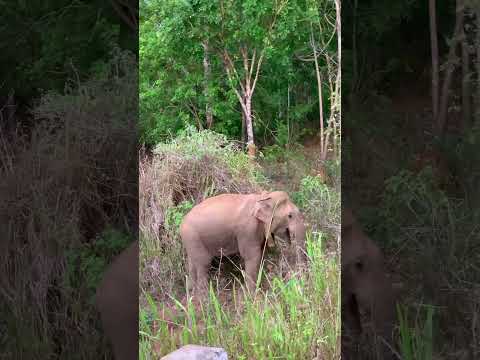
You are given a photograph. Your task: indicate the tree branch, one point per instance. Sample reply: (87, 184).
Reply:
(259, 64)
(230, 66)
(131, 18)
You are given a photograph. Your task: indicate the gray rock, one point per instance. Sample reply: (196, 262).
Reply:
(197, 352)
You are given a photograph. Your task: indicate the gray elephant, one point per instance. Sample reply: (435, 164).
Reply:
(117, 302)
(227, 224)
(365, 285)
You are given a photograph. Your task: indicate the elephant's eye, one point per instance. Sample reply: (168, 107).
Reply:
(290, 215)
(359, 265)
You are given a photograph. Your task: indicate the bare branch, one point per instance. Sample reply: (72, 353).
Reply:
(239, 96)
(252, 63)
(259, 64)
(230, 66)
(457, 33)
(244, 53)
(127, 11)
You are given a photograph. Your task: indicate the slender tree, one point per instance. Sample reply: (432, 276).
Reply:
(466, 91)
(243, 51)
(207, 72)
(434, 54)
(450, 67)
(337, 94)
(477, 70)
(325, 19)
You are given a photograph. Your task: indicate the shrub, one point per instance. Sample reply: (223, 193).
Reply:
(413, 199)
(431, 231)
(179, 174)
(195, 165)
(320, 204)
(86, 264)
(286, 166)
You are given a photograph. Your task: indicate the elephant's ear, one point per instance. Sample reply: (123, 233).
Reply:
(262, 209)
(347, 218)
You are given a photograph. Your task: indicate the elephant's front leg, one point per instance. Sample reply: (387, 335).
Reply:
(252, 265)
(192, 275)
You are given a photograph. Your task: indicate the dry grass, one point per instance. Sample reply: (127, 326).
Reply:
(62, 185)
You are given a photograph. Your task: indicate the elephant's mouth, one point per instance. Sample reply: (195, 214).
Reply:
(287, 236)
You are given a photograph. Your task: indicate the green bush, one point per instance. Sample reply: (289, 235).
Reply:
(273, 153)
(334, 172)
(175, 214)
(86, 264)
(320, 203)
(410, 199)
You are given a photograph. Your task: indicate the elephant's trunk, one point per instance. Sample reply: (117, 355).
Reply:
(383, 317)
(298, 234)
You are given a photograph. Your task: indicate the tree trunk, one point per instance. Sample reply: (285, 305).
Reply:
(477, 46)
(323, 134)
(434, 54)
(288, 115)
(9, 124)
(450, 68)
(466, 92)
(354, 50)
(249, 125)
(244, 127)
(245, 92)
(338, 99)
(207, 78)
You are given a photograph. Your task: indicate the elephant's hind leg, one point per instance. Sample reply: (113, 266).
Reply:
(202, 264)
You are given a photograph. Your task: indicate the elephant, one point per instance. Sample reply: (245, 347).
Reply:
(117, 301)
(228, 224)
(364, 285)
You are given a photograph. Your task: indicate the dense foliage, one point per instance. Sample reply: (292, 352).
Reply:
(45, 43)
(185, 52)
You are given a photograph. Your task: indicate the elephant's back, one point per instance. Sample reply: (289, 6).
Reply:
(220, 205)
(119, 277)
(222, 198)
(214, 221)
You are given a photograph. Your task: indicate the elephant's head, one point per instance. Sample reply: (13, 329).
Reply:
(364, 283)
(281, 217)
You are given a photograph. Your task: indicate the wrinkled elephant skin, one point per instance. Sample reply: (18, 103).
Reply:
(365, 285)
(117, 302)
(238, 223)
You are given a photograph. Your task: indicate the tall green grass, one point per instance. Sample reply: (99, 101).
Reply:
(416, 343)
(294, 319)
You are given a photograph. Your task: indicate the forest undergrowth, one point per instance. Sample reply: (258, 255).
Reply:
(295, 317)
(427, 226)
(65, 220)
